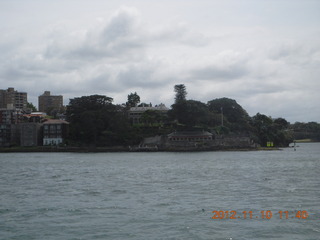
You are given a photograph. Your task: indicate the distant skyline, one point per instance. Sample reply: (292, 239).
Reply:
(265, 54)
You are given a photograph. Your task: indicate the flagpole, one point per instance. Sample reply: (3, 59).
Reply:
(222, 116)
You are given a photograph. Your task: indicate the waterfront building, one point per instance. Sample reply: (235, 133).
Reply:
(5, 135)
(30, 134)
(190, 136)
(55, 131)
(194, 141)
(9, 118)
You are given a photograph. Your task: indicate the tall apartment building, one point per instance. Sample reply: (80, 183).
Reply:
(49, 103)
(12, 99)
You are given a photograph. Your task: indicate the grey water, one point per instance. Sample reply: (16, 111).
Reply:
(162, 195)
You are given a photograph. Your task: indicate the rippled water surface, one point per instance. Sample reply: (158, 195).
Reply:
(160, 195)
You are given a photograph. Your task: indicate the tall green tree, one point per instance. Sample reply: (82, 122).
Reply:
(190, 113)
(151, 117)
(181, 93)
(281, 123)
(87, 103)
(133, 100)
(89, 117)
(310, 130)
(263, 128)
(95, 121)
(271, 130)
(233, 115)
(31, 107)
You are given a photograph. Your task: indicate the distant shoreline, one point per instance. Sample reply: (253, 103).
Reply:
(308, 140)
(124, 149)
(88, 149)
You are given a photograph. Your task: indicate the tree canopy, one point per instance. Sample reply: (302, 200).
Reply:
(231, 110)
(271, 130)
(190, 113)
(88, 103)
(181, 93)
(133, 99)
(309, 130)
(31, 107)
(95, 120)
(234, 116)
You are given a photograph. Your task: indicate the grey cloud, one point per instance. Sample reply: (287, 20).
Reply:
(17, 74)
(281, 52)
(119, 38)
(215, 73)
(146, 75)
(260, 87)
(114, 51)
(103, 83)
(119, 54)
(120, 26)
(136, 77)
(298, 53)
(179, 33)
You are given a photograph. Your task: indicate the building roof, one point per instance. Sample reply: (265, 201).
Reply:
(36, 114)
(190, 134)
(160, 107)
(55, 121)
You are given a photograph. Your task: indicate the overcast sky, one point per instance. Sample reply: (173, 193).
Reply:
(265, 54)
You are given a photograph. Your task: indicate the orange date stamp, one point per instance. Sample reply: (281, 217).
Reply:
(265, 214)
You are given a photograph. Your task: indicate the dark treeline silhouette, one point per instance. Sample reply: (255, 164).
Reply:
(95, 120)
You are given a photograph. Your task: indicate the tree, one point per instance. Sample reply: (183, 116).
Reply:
(31, 107)
(95, 121)
(190, 113)
(87, 103)
(234, 116)
(151, 117)
(181, 93)
(133, 99)
(263, 128)
(269, 130)
(143, 104)
(281, 123)
(89, 117)
(310, 130)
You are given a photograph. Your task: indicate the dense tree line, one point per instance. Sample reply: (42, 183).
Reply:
(226, 116)
(95, 120)
(309, 130)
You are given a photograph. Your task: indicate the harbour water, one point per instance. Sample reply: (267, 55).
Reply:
(161, 195)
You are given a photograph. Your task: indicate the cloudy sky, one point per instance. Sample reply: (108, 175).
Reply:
(265, 54)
